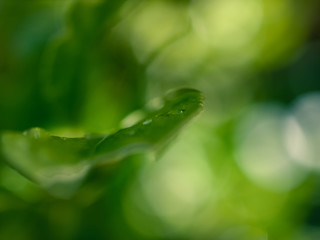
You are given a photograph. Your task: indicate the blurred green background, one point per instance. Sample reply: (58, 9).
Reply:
(246, 168)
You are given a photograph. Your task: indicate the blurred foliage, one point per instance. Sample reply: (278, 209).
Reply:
(247, 168)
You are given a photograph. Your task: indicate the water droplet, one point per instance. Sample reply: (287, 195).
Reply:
(146, 122)
(35, 133)
(182, 111)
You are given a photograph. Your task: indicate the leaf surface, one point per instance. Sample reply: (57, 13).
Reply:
(60, 164)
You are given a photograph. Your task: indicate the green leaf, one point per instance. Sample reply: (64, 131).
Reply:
(60, 164)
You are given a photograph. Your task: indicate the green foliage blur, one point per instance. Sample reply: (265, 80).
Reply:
(246, 169)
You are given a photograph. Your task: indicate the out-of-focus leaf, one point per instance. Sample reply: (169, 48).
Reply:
(60, 164)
